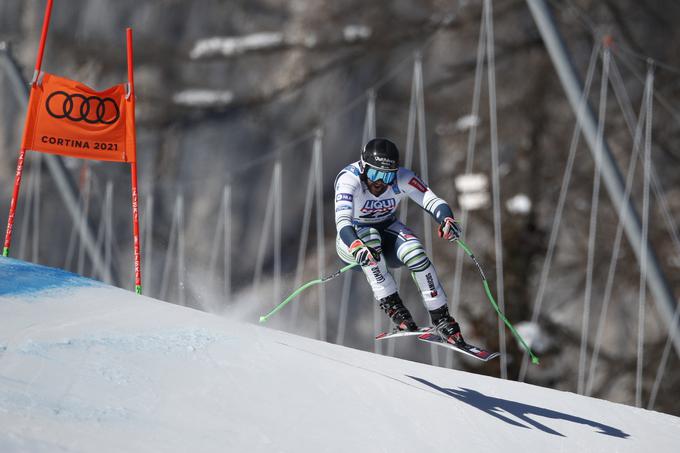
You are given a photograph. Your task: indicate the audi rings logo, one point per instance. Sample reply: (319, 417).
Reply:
(76, 107)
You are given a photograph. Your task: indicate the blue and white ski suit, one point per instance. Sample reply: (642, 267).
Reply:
(360, 214)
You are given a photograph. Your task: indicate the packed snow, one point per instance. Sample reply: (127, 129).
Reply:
(354, 33)
(230, 46)
(472, 182)
(203, 98)
(519, 204)
(87, 367)
(471, 201)
(473, 191)
(235, 45)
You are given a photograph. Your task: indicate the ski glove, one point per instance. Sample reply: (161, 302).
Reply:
(449, 229)
(363, 254)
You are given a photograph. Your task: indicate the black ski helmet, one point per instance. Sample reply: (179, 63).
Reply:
(380, 153)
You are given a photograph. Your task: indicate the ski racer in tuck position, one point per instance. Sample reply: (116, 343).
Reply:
(367, 194)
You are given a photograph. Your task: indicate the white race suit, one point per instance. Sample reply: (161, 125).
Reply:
(360, 214)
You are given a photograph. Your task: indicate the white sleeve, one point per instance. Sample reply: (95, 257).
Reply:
(345, 188)
(418, 191)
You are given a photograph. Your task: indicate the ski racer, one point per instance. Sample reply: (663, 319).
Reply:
(367, 194)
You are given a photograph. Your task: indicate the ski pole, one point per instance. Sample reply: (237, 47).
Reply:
(464, 246)
(304, 287)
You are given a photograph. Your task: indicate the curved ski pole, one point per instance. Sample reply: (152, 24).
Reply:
(304, 287)
(467, 250)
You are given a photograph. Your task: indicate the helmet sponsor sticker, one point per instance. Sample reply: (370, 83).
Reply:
(418, 184)
(385, 160)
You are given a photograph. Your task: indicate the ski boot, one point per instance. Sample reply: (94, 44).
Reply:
(398, 313)
(445, 326)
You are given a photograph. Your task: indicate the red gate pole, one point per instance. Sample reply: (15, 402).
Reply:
(133, 167)
(13, 203)
(43, 40)
(22, 152)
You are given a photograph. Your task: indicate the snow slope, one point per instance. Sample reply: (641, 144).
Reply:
(86, 367)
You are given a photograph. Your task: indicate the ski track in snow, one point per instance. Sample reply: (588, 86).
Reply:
(169, 342)
(103, 358)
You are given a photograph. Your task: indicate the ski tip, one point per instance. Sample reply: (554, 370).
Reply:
(263, 318)
(534, 360)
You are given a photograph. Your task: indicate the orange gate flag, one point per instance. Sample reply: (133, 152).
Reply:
(69, 118)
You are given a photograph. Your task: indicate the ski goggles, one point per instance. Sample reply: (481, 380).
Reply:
(388, 177)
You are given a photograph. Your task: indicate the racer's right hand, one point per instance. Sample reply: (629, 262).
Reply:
(363, 254)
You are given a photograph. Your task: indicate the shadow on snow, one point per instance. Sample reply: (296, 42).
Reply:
(495, 407)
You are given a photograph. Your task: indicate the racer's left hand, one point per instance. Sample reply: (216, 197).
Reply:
(450, 229)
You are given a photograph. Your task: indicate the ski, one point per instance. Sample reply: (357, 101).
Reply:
(401, 333)
(467, 349)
